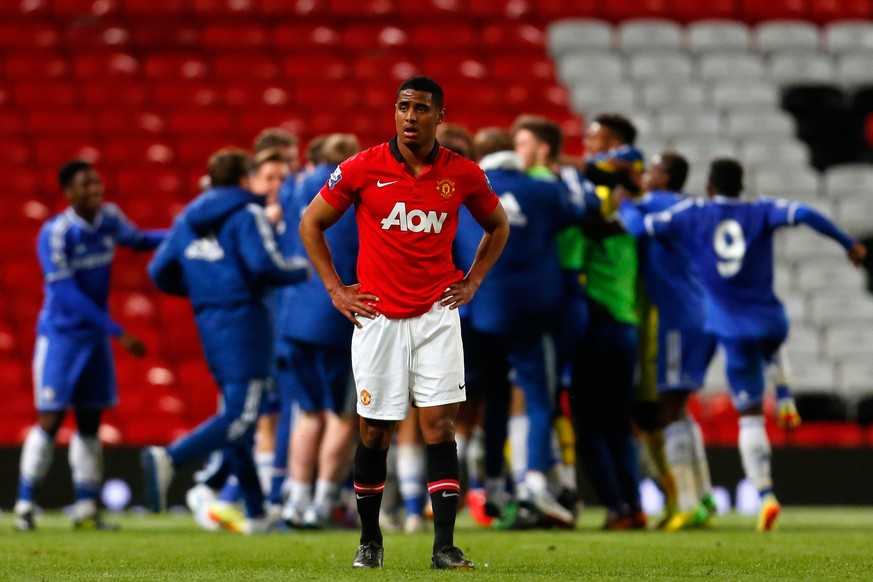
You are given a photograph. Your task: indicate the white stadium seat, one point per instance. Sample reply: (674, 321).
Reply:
(854, 213)
(659, 95)
(803, 342)
(717, 35)
(585, 95)
(718, 66)
(660, 66)
(743, 124)
(848, 341)
(594, 67)
(853, 68)
(764, 149)
(836, 308)
(743, 93)
(801, 67)
(856, 375)
(800, 182)
(649, 33)
(568, 36)
(776, 35)
(849, 180)
(846, 36)
(812, 375)
(801, 244)
(703, 146)
(706, 122)
(828, 274)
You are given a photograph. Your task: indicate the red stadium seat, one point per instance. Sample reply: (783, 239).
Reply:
(55, 121)
(618, 10)
(55, 151)
(755, 10)
(15, 376)
(19, 242)
(201, 121)
(385, 69)
(152, 9)
(510, 38)
(129, 271)
(106, 64)
(826, 434)
(197, 150)
(688, 10)
(254, 121)
(452, 65)
(311, 95)
(256, 66)
(11, 122)
(431, 9)
(324, 67)
(176, 66)
(549, 10)
(80, 8)
(307, 37)
(28, 36)
(363, 8)
(15, 151)
(191, 93)
(532, 67)
(160, 183)
(464, 37)
(827, 10)
(500, 9)
(53, 94)
(132, 94)
(120, 150)
(10, 343)
(164, 36)
(21, 181)
(300, 8)
(36, 65)
(236, 36)
(223, 8)
(367, 37)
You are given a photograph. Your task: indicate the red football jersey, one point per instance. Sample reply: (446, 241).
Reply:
(406, 225)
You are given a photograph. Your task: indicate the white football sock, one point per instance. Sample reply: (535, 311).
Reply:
(476, 455)
(300, 496)
(519, 426)
(410, 471)
(755, 452)
(679, 451)
(36, 456)
(264, 465)
(700, 462)
(86, 461)
(326, 495)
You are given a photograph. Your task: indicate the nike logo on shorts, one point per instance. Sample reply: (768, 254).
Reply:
(381, 184)
(461, 386)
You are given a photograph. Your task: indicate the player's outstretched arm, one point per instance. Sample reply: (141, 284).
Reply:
(823, 225)
(347, 299)
(132, 237)
(496, 226)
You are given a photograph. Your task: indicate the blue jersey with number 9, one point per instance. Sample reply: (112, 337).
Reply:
(731, 244)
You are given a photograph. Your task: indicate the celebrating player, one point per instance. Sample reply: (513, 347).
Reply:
(731, 244)
(72, 362)
(222, 254)
(407, 342)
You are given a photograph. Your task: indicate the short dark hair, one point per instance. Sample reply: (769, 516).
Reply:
(425, 85)
(490, 140)
(620, 125)
(338, 147)
(726, 177)
(69, 170)
(228, 166)
(267, 156)
(676, 167)
(545, 130)
(274, 137)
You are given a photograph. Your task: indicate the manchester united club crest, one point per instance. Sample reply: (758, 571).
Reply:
(446, 188)
(366, 398)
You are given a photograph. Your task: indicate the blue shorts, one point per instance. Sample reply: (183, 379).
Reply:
(684, 355)
(271, 403)
(745, 366)
(317, 378)
(71, 372)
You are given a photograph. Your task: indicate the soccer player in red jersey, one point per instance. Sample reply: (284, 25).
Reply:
(406, 347)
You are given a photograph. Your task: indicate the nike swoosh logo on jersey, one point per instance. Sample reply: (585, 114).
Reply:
(381, 184)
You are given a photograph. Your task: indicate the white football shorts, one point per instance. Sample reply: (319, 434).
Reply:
(417, 360)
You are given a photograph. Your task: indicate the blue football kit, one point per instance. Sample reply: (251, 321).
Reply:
(673, 285)
(73, 364)
(731, 244)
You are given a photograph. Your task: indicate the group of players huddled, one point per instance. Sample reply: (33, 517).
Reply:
(585, 340)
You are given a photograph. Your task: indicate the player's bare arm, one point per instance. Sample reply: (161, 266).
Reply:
(348, 299)
(496, 227)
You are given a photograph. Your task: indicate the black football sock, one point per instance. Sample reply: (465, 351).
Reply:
(444, 487)
(371, 467)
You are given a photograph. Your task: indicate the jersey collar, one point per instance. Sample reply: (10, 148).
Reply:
(395, 151)
(84, 224)
(722, 199)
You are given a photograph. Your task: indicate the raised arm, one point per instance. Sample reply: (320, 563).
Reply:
(348, 300)
(260, 251)
(823, 225)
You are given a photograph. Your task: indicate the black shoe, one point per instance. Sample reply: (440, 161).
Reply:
(24, 521)
(369, 555)
(450, 558)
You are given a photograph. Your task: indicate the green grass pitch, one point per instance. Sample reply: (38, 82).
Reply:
(810, 544)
